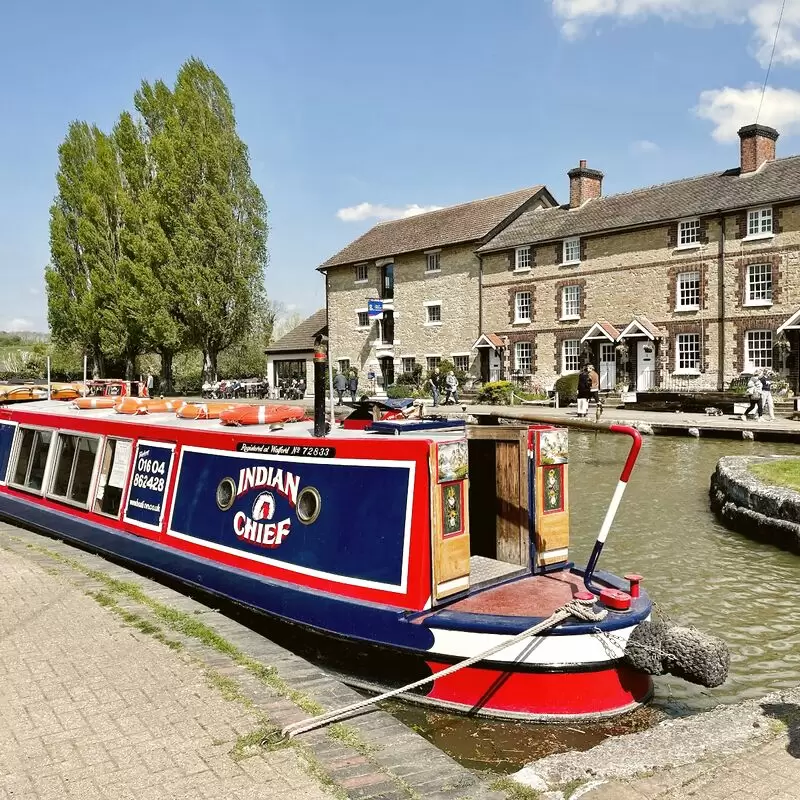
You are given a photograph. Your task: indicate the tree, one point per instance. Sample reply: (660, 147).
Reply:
(210, 209)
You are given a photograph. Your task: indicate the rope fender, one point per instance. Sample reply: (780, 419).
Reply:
(578, 608)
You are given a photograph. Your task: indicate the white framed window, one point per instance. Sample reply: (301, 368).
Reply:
(687, 291)
(433, 313)
(689, 232)
(571, 302)
(114, 465)
(522, 307)
(32, 448)
(759, 348)
(363, 318)
(461, 363)
(572, 251)
(759, 285)
(570, 349)
(759, 223)
(362, 273)
(687, 352)
(408, 364)
(432, 362)
(522, 258)
(73, 469)
(432, 262)
(522, 358)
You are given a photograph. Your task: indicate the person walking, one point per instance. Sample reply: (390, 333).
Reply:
(594, 378)
(352, 385)
(339, 384)
(767, 402)
(149, 384)
(433, 384)
(584, 392)
(754, 394)
(451, 385)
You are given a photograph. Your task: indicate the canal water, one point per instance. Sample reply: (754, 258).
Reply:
(698, 572)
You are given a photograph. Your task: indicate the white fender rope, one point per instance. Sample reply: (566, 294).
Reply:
(582, 609)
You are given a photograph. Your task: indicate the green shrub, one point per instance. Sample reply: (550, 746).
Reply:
(497, 393)
(395, 392)
(567, 388)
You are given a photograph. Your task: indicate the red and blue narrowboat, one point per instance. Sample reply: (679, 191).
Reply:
(361, 533)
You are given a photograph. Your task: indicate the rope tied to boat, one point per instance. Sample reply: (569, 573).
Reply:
(578, 608)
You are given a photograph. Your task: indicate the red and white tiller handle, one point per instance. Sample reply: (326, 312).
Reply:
(615, 501)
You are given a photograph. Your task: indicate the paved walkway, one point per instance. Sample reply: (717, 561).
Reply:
(114, 686)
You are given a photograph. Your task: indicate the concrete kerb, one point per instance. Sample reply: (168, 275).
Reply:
(359, 757)
(756, 509)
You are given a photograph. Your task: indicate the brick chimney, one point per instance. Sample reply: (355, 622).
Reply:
(757, 146)
(584, 184)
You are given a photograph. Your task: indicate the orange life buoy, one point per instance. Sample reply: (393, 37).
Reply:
(94, 402)
(261, 415)
(205, 410)
(145, 405)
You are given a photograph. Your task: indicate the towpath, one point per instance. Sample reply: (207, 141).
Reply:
(113, 686)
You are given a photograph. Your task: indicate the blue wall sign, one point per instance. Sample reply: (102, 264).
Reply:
(375, 309)
(149, 481)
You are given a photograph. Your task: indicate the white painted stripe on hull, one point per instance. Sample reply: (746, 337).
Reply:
(545, 651)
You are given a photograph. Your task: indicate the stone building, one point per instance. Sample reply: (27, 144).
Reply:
(426, 271)
(292, 356)
(681, 285)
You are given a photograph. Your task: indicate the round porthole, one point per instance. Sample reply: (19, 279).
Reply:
(226, 493)
(309, 504)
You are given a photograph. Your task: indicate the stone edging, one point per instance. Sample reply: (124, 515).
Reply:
(380, 758)
(758, 510)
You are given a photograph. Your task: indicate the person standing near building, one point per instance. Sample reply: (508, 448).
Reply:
(339, 384)
(149, 384)
(594, 379)
(584, 392)
(451, 384)
(433, 385)
(352, 385)
(754, 394)
(767, 402)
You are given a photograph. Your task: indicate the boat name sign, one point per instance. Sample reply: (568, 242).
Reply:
(286, 450)
(258, 527)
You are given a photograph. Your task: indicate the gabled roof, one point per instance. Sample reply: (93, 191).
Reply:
(602, 330)
(791, 324)
(302, 337)
(641, 326)
(774, 182)
(468, 222)
(489, 340)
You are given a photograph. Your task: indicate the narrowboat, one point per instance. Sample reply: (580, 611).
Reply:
(366, 534)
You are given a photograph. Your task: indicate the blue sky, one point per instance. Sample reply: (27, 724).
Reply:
(356, 110)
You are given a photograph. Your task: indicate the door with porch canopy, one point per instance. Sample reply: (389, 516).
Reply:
(607, 367)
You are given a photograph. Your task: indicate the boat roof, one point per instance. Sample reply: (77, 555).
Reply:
(64, 411)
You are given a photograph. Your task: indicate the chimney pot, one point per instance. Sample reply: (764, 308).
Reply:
(584, 184)
(757, 146)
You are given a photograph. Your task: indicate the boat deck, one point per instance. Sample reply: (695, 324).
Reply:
(168, 419)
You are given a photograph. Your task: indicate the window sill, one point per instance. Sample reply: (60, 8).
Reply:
(432, 324)
(359, 328)
(686, 372)
(692, 246)
(433, 271)
(571, 318)
(521, 322)
(757, 304)
(521, 269)
(758, 237)
(361, 283)
(685, 309)
(570, 263)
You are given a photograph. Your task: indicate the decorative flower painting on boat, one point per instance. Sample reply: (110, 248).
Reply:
(452, 509)
(553, 488)
(453, 462)
(554, 446)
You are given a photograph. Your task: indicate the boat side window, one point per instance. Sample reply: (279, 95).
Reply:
(113, 474)
(33, 445)
(74, 467)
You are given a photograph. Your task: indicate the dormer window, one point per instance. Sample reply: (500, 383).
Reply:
(759, 223)
(689, 232)
(572, 251)
(522, 259)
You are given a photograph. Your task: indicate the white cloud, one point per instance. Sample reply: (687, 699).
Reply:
(645, 147)
(729, 109)
(762, 15)
(19, 324)
(376, 211)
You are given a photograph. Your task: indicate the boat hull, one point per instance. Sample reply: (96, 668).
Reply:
(534, 686)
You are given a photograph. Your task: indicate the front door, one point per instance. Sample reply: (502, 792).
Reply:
(387, 371)
(484, 351)
(608, 367)
(645, 365)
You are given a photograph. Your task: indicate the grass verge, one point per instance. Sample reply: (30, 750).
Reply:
(784, 473)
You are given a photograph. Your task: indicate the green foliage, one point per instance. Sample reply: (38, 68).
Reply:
(783, 472)
(399, 392)
(413, 378)
(496, 393)
(567, 388)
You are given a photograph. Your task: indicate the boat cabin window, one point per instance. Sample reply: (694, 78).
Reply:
(74, 468)
(113, 473)
(30, 460)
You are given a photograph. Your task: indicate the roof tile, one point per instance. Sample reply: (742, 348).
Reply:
(302, 337)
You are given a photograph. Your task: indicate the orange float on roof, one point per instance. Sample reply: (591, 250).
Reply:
(261, 415)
